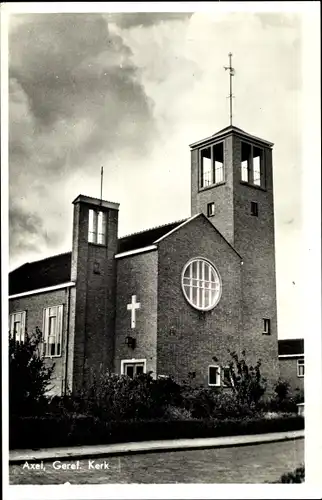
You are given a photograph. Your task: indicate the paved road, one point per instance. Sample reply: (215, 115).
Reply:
(245, 464)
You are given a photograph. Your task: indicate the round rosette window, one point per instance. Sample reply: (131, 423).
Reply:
(201, 284)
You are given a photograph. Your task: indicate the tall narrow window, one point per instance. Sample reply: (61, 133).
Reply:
(257, 166)
(245, 161)
(252, 164)
(52, 331)
(18, 326)
(97, 227)
(206, 168)
(218, 158)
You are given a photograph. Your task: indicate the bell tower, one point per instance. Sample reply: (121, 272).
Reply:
(232, 184)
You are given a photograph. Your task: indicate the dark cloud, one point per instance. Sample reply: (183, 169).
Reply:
(74, 95)
(28, 231)
(132, 19)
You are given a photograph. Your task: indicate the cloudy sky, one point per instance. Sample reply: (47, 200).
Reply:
(130, 92)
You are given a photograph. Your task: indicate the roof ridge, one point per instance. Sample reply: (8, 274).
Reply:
(154, 227)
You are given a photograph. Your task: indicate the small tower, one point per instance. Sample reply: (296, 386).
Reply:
(93, 269)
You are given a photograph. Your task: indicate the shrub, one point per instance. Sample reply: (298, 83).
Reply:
(118, 397)
(246, 382)
(282, 389)
(284, 400)
(29, 375)
(78, 430)
(297, 476)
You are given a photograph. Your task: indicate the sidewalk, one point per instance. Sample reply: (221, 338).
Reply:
(20, 456)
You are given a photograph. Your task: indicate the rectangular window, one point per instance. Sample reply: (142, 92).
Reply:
(218, 159)
(245, 161)
(252, 164)
(266, 326)
(254, 208)
(212, 165)
(52, 331)
(210, 209)
(134, 367)
(17, 325)
(214, 375)
(300, 367)
(206, 167)
(97, 227)
(257, 166)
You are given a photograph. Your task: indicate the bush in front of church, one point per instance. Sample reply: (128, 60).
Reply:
(29, 376)
(246, 381)
(118, 397)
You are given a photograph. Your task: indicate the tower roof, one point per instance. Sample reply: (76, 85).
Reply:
(231, 129)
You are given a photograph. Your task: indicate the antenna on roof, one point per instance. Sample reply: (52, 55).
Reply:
(231, 74)
(102, 173)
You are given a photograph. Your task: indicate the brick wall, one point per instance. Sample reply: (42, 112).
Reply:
(187, 339)
(137, 275)
(34, 306)
(288, 372)
(254, 240)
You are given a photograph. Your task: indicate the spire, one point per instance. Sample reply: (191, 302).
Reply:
(231, 74)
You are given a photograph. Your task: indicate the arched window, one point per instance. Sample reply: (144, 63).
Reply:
(201, 284)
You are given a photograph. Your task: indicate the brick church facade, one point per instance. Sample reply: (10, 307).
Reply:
(170, 299)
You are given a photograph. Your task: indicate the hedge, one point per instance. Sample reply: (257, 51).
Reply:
(77, 430)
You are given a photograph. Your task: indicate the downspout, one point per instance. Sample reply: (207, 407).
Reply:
(67, 341)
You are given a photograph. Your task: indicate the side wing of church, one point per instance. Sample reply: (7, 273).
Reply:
(173, 299)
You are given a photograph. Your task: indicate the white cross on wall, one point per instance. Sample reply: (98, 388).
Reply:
(133, 307)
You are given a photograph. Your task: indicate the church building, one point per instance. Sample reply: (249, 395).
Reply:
(172, 299)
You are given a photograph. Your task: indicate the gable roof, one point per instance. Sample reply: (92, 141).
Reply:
(40, 274)
(145, 238)
(290, 346)
(186, 221)
(228, 130)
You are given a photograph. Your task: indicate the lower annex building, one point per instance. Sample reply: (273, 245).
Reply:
(170, 299)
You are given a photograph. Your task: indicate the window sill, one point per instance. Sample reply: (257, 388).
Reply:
(211, 186)
(260, 188)
(54, 356)
(300, 376)
(213, 385)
